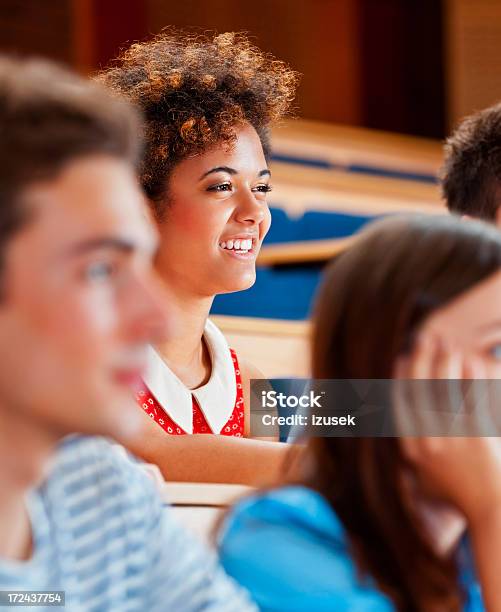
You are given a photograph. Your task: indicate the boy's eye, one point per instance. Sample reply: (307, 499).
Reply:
(220, 187)
(99, 271)
(495, 351)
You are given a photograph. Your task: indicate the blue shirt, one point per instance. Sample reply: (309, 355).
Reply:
(101, 534)
(290, 550)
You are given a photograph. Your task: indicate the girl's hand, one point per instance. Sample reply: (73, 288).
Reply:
(465, 471)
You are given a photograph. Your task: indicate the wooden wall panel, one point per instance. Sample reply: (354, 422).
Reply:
(473, 56)
(319, 38)
(37, 27)
(403, 66)
(116, 28)
(375, 64)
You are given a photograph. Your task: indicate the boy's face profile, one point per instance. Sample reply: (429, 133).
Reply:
(80, 302)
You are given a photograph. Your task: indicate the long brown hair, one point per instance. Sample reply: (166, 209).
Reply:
(373, 299)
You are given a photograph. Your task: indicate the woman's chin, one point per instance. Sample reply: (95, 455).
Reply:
(240, 284)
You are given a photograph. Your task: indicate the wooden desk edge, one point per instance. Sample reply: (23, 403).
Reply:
(305, 251)
(254, 325)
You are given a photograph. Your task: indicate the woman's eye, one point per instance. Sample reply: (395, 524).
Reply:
(265, 188)
(495, 351)
(220, 187)
(99, 271)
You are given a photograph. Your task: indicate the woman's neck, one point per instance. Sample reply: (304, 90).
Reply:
(185, 353)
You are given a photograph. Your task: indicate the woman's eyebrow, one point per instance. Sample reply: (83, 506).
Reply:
(219, 169)
(231, 171)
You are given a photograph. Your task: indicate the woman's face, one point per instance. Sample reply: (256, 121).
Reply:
(471, 324)
(216, 218)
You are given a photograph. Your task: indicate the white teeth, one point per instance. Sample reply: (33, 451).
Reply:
(237, 245)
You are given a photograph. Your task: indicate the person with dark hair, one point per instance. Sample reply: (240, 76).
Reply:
(375, 523)
(81, 526)
(471, 175)
(208, 102)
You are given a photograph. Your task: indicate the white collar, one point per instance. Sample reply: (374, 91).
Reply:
(216, 398)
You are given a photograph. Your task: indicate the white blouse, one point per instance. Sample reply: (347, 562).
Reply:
(216, 398)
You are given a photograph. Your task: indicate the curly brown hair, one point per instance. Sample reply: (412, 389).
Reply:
(193, 90)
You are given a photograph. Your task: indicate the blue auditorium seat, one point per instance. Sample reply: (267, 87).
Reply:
(312, 225)
(278, 293)
(319, 225)
(283, 228)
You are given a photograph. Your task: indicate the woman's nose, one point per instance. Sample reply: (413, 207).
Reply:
(249, 209)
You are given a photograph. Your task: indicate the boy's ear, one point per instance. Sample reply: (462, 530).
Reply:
(466, 217)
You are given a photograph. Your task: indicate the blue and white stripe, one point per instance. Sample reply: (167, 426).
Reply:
(101, 535)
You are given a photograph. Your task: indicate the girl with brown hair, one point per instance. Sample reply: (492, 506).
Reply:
(379, 523)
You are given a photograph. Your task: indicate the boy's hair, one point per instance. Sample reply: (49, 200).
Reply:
(193, 90)
(49, 117)
(471, 176)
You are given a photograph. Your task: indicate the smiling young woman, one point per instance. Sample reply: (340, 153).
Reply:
(208, 102)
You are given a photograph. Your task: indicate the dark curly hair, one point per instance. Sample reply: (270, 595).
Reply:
(471, 176)
(193, 89)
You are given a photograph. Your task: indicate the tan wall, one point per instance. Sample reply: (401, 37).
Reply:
(473, 55)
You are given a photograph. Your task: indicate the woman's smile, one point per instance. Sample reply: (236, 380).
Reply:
(243, 247)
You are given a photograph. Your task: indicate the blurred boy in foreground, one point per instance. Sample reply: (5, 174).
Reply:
(78, 305)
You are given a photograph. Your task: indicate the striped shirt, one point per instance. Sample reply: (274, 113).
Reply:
(101, 535)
